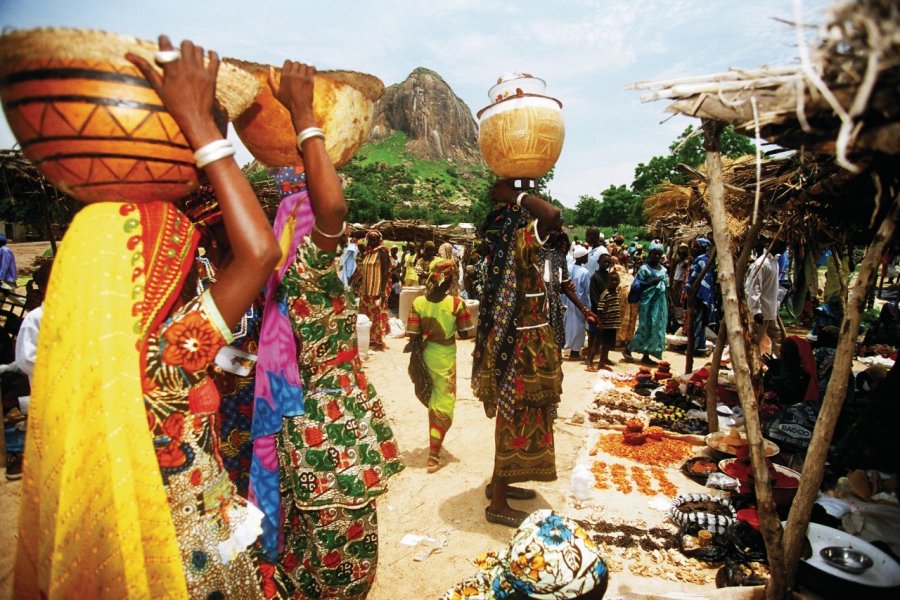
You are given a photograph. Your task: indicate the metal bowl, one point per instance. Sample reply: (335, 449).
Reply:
(846, 559)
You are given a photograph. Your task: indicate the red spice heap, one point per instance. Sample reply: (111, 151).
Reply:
(662, 452)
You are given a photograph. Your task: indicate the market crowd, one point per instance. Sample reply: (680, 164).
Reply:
(216, 435)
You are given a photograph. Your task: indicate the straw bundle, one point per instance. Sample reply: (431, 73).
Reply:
(235, 89)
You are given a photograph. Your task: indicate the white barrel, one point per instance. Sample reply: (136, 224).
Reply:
(363, 327)
(473, 307)
(407, 295)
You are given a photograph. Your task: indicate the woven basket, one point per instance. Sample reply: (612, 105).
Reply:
(344, 107)
(90, 120)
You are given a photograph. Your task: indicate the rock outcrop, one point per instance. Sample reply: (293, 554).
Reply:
(437, 123)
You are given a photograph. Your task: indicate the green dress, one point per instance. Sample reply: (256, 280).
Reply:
(438, 323)
(653, 313)
(337, 457)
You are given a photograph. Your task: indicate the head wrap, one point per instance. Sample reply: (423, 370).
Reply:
(373, 239)
(704, 242)
(2, 239)
(446, 251)
(278, 391)
(549, 558)
(654, 246)
(428, 245)
(579, 251)
(439, 271)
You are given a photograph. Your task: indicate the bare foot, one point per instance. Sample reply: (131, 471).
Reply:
(605, 367)
(591, 369)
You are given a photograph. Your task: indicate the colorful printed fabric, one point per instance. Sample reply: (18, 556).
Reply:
(534, 376)
(558, 274)
(215, 526)
(94, 518)
(653, 313)
(438, 322)
(331, 552)
(341, 451)
(549, 558)
(524, 448)
(375, 309)
(278, 392)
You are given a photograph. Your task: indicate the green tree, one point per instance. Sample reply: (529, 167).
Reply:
(587, 211)
(686, 149)
(618, 206)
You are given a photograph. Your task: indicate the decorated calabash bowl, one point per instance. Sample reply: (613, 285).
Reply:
(343, 104)
(91, 122)
(521, 133)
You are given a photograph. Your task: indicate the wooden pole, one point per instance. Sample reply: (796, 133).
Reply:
(712, 383)
(814, 465)
(770, 526)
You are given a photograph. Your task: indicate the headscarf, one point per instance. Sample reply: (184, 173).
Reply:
(373, 240)
(439, 271)
(654, 246)
(704, 242)
(94, 519)
(549, 557)
(278, 392)
(446, 251)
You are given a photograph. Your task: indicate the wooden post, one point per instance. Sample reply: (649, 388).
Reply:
(770, 526)
(814, 465)
(712, 383)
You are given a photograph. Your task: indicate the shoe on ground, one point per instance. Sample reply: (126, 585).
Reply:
(14, 466)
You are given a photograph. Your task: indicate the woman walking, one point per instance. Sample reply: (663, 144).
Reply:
(653, 311)
(437, 317)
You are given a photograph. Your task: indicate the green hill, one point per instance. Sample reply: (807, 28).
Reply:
(386, 181)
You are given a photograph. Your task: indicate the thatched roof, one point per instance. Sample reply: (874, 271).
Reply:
(843, 98)
(839, 108)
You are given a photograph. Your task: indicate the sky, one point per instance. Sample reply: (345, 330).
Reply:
(586, 50)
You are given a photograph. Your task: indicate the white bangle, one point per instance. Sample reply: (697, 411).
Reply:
(309, 132)
(212, 152)
(519, 199)
(329, 235)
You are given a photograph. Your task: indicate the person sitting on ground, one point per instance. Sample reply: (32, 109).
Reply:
(610, 316)
(549, 556)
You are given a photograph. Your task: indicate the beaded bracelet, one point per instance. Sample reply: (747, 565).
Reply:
(212, 152)
(329, 235)
(309, 132)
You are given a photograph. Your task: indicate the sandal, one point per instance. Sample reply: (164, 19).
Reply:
(434, 464)
(516, 493)
(591, 369)
(510, 520)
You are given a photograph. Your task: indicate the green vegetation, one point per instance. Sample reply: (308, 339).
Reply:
(387, 182)
(621, 204)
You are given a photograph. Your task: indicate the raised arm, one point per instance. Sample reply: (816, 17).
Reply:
(295, 91)
(549, 217)
(187, 88)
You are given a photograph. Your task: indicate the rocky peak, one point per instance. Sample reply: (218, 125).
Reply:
(438, 124)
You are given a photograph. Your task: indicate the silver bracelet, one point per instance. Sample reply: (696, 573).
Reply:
(519, 199)
(309, 132)
(212, 152)
(328, 235)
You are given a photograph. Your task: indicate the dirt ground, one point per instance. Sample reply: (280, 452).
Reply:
(448, 505)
